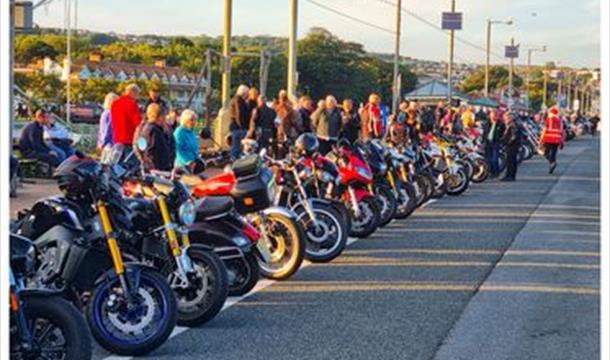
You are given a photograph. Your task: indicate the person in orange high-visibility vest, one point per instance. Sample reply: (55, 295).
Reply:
(552, 137)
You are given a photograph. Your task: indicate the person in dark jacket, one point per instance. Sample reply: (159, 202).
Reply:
(155, 98)
(262, 125)
(32, 145)
(492, 136)
(327, 124)
(305, 110)
(512, 140)
(240, 119)
(160, 152)
(350, 122)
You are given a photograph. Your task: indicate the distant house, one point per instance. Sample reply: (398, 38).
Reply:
(178, 82)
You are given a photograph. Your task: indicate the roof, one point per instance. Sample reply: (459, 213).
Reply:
(130, 68)
(434, 89)
(484, 101)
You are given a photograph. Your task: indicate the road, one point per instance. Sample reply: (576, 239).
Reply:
(505, 271)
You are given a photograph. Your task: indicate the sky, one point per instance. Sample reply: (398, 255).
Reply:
(569, 28)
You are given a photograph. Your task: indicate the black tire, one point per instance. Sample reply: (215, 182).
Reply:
(364, 229)
(387, 203)
(167, 320)
(410, 202)
(461, 184)
(334, 226)
(428, 182)
(481, 171)
(64, 316)
(212, 273)
(284, 228)
(245, 274)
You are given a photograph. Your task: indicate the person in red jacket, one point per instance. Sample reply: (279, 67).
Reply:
(552, 137)
(126, 116)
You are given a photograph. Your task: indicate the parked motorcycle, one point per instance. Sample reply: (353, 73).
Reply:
(130, 308)
(42, 324)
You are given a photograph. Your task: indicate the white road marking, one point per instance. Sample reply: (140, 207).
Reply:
(261, 285)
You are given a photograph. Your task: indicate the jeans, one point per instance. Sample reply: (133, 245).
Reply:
(63, 152)
(236, 137)
(493, 153)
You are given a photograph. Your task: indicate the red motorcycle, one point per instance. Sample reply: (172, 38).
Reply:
(355, 178)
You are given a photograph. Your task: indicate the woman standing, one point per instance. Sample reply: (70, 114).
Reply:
(552, 137)
(104, 135)
(187, 142)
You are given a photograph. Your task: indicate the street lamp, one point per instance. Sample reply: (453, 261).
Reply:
(490, 22)
(529, 64)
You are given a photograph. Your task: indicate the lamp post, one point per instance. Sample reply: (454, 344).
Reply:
(396, 87)
(292, 52)
(529, 65)
(491, 22)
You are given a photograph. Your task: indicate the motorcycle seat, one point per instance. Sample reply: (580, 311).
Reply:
(211, 207)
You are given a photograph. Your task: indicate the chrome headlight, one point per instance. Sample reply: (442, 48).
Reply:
(325, 176)
(383, 168)
(187, 213)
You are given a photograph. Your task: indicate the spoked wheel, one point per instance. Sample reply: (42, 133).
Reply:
(286, 245)
(457, 183)
(203, 296)
(440, 186)
(327, 237)
(481, 171)
(58, 331)
(366, 223)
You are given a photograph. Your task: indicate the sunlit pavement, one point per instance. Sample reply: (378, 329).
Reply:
(506, 271)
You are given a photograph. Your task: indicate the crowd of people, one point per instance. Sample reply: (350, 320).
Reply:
(173, 142)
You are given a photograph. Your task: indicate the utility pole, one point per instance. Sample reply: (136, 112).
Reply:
(450, 64)
(11, 90)
(487, 54)
(511, 69)
(68, 62)
(292, 52)
(395, 85)
(544, 88)
(226, 55)
(559, 90)
(490, 22)
(569, 91)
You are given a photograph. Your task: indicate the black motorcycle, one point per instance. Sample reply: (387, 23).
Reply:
(130, 307)
(42, 324)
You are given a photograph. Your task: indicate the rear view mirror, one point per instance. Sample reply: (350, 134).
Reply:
(142, 143)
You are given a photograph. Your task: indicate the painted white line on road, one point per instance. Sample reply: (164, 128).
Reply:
(261, 285)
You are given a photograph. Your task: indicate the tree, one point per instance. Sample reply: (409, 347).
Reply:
(102, 39)
(498, 78)
(32, 49)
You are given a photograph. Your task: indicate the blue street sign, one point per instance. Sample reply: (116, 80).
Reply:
(452, 21)
(511, 52)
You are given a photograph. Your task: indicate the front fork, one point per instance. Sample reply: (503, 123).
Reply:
(183, 261)
(304, 201)
(354, 201)
(113, 246)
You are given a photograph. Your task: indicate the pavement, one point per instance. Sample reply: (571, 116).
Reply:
(505, 271)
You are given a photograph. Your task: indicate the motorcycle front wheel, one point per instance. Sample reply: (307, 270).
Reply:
(208, 290)
(366, 223)
(58, 329)
(327, 240)
(481, 171)
(286, 245)
(457, 183)
(134, 327)
(388, 203)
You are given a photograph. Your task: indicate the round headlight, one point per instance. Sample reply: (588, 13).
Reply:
(240, 241)
(187, 213)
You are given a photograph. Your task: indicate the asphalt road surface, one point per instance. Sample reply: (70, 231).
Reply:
(505, 271)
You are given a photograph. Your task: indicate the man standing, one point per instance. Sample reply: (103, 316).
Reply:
(240, 121)
(305, 110)
(492, 134)
(32, 145)
(350, 128)
(262, 125)
(512, 140)
(126, 117)
(155, 98)
(327, 124)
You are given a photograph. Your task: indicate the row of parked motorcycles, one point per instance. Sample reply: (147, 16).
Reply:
(138, 252)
